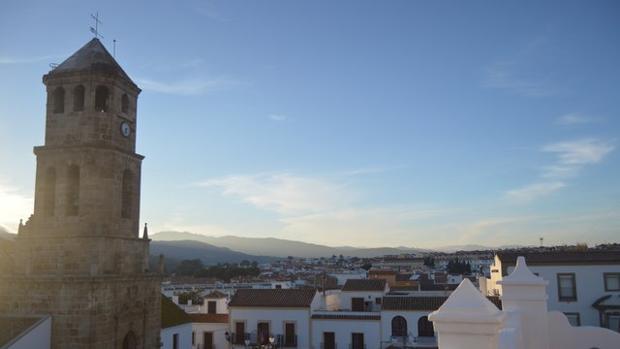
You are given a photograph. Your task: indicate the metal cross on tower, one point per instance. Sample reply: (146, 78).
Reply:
(95, 30)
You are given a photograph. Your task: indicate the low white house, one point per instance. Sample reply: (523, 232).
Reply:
(351, 317)
(176, 326)
(210, 331)
(363, 294)
(264, 316)
(582, 284)
(348, 329)
(215, 302)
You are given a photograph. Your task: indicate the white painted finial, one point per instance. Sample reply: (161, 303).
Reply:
(466, 301)
(522, 275)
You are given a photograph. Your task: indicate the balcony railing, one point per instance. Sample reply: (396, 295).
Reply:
(202, 346)
(280, 341)
(284, 341)
(357, 346)
(239, 338)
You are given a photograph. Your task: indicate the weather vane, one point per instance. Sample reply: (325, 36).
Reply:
(95, 30)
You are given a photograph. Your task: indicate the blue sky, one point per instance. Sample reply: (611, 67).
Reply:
(346, 123)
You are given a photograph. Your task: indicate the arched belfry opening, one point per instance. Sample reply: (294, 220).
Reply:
(127, 194)
(59, 100)
(78, 98)
(73, 191)
(49, 192)
(102, 96)
(125, 103)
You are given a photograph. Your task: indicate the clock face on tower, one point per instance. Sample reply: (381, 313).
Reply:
(125, 129)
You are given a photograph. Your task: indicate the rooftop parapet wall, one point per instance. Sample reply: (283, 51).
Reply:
(466, 321)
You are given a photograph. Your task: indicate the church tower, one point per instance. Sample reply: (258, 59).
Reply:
(79, 257)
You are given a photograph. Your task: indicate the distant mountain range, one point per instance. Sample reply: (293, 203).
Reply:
(175, 251)
(281, 247)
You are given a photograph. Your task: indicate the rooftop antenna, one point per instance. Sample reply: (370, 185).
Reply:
(541, 241)
(95, 30)
(114, 48)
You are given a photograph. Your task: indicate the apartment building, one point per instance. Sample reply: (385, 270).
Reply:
(584, 285)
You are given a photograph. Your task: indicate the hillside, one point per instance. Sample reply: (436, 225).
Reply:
(209, 254)
(281, 247)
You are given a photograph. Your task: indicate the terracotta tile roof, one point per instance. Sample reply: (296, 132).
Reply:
(403, 277)
(562, 257)
(381, 272)
(209, 318)
(421, 303)
(337, 316)
(403, 288)
(171, 314)
(295, 298)
(364, 285)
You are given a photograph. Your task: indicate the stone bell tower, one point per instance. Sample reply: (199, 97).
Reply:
(79, 257)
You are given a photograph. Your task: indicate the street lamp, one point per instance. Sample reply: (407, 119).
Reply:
(272, 340)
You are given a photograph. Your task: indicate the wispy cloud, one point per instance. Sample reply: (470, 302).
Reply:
(570, 158)
(503, 75)
(27, 60)
(580, 152)
(534, 191)
(278, 117)
(188, 87)
(573, 119)
(282, 192)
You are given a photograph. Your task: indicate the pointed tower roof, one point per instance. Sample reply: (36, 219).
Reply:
(92, 57)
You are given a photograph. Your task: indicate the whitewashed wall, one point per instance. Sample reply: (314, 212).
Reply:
(412, 318)
(590, 287)
(342, 330)
(276, 317)
(345, 297)
(221, 305)
(185, 336)
(218, 330)
(563, 336)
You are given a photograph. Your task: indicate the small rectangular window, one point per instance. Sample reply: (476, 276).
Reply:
(175, 341)
(613, 322)
(193, 338)
(211, 307)
(357, 340)
(240, 333)
(378, 300)
(357, 304)
(567, 287)
(612, 281)
(573, 318)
